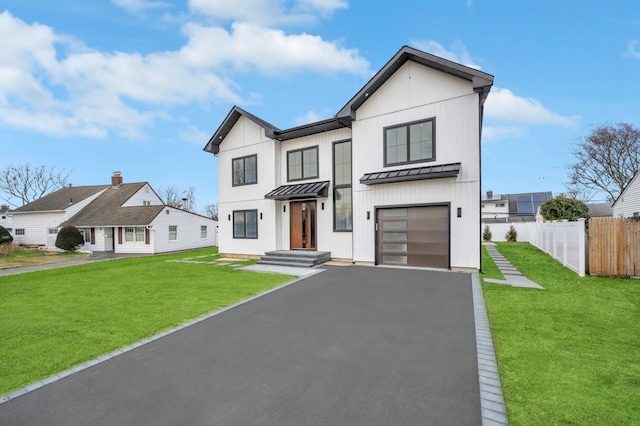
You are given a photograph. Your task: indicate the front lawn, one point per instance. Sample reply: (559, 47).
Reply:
(52, 320)
(12, 256)
(569, 354)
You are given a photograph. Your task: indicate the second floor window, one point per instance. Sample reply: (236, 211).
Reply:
(245, 170)
(409, 143)
(302, 163)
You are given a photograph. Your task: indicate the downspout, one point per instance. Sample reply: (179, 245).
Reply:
(481, 110)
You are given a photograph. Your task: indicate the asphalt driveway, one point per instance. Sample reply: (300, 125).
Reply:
(349, 346)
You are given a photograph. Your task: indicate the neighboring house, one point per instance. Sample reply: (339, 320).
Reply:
(521, 207)
(494, 206)
(121, 217)
(5, 220)
(599, 209)
(393, 178)
(628, 202)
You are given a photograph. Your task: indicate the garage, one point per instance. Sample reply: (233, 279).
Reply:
(413, 236)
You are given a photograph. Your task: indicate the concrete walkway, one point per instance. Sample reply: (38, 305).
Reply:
(356, 345)
(513, 277)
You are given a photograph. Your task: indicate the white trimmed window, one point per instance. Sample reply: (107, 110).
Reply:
(19, 231)
(53, 231)
(134, 234)
(203, 231)
(86, 234)
(173, 232)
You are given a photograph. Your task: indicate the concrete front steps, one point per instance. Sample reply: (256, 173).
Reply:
(297, 258)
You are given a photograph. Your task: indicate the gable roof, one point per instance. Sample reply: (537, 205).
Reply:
(61, 199)
(213, 146)
(599, 209)
(481, 81)
(107, 210)
(636, 176)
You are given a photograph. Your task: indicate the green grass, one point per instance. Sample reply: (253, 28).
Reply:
(12, 256)
(52, 320)
(568, 355)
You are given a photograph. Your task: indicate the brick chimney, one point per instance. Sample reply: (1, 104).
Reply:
(116, 179)
(489, 195)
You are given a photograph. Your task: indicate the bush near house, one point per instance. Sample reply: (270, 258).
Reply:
(5, 236)
(512, 235)
(563, 207)
(69, 238)
(486, 234)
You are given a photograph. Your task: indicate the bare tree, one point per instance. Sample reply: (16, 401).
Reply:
(180, 199)
(606, 160)
(28, 183)
(211, 211)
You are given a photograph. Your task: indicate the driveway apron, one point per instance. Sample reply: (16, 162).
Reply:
(350, 346)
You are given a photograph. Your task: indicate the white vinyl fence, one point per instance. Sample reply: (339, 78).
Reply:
(564, 241)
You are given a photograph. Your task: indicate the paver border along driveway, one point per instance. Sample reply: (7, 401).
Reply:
(353, 345)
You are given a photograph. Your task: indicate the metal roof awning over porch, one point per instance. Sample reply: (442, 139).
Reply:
(416, 173)
(300, 190)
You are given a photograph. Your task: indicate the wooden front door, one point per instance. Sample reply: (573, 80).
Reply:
(303, 225)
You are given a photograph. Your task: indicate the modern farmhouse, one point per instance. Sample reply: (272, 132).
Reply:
(392, 179)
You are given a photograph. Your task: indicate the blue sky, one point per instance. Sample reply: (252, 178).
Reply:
(140, 85)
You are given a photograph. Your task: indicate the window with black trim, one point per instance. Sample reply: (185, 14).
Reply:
(342, 202)
(302, 163)
(245, 224)
(245, 170)
(410, 142)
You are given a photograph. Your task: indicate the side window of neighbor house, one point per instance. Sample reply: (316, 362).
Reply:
(302, 163)
(245, 224)
(410, 142)
(203, 231)
(173, 232)
(19, 231)
(245, 170)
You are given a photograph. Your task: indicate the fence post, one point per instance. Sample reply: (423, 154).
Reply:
(564, 241)
(581, 247)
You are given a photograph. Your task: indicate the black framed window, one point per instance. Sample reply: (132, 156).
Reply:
(302, 163)
(245, 224)
(245, 170)
(410, 142)
(342, 193)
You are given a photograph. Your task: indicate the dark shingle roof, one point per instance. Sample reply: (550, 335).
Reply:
(414, 173)
(107, 210)
(300, 190)
(600, 209)
(61, 199)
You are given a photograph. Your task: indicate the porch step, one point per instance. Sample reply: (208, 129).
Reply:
(298, 258)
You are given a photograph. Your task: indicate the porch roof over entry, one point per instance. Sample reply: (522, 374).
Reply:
(415, 173)
(300, 190)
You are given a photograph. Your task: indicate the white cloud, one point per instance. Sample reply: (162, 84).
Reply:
(54, 84)
(312, 117)
(457, 53)
(268, 12)
(503, 105)
(632, 49)
(139, 5)
(193, 135)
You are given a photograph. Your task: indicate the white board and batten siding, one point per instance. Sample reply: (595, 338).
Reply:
(628, 202)
(338, 243)
(247, 138)
(404, 99)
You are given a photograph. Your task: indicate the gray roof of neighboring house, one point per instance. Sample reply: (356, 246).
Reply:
(600, 209)
(107, 210)
(481, 81)
(61, 199)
